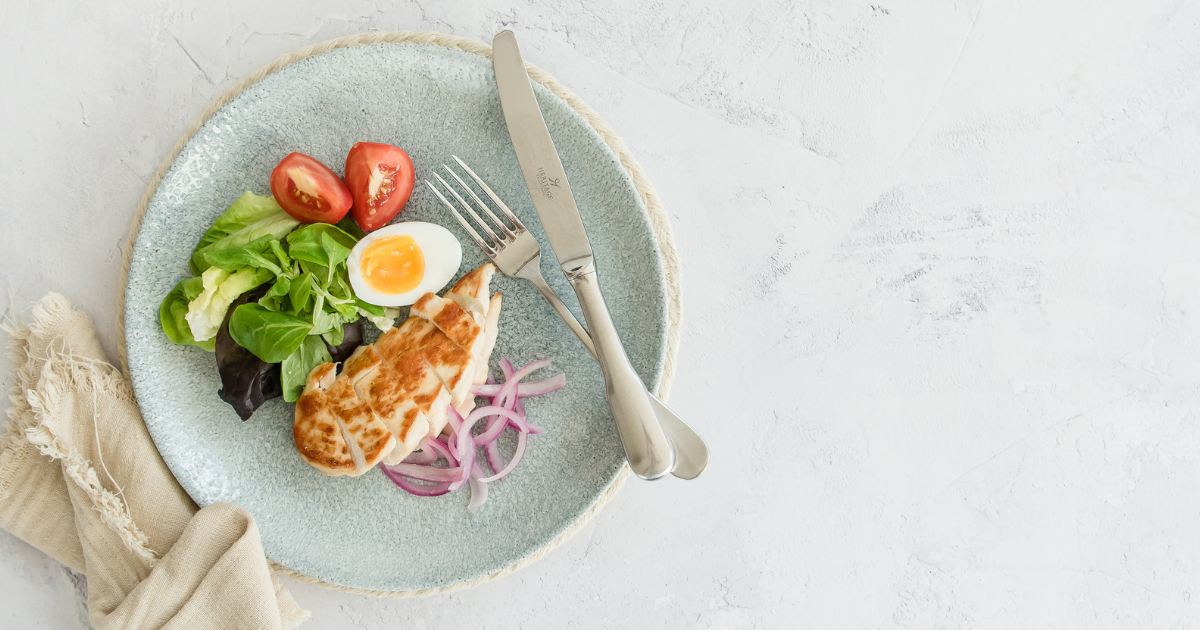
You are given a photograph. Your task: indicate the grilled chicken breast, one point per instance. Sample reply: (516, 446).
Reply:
(461, 326)
(403, 384)
(334, 431)
(453, 366)
(491, 330)
(471, 291)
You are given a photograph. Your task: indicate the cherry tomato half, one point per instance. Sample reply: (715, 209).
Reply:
(309, 191)
(380, 177)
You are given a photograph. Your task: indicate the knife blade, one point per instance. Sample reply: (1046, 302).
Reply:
(543, 171)
(650, 452)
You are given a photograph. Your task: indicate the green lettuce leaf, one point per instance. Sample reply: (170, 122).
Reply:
(270, 335)
(323, 245)
(220, 289)
(350, 226)
(273, 299)
(300, 293)
(172, 313)
(383, 318)
(296, 367)
(249, 218)
(261, 253)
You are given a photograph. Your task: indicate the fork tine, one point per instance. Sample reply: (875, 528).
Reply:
(491, 194)
(466, 206)
(480, 203)
(488, 249)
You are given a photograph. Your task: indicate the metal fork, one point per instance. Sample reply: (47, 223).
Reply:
(515, 251)
(517, 254)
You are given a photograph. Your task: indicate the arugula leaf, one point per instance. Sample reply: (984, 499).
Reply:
(340, 287)
(318, 271)
(270, 335)
(322, 320)
(172, 314)
(296, 367)
(249, 218)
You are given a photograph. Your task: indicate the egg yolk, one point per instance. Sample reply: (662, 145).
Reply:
(393, 264)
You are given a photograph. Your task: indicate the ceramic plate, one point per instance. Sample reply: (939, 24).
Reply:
(365, 532)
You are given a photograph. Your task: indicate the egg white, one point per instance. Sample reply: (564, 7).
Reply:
(443, 256)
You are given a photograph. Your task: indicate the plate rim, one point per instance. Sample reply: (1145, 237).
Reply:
(659, 222)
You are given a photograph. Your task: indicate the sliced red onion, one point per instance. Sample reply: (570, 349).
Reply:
(424, 457)
(412, 487)
(438, 447)
(496, 428)
(460, 449)
(522, 438)
(479, 489)
(466, 443)
(436, 474)
(455, 419)
(510, 385)
(525, 390)
(496, 423)
(492, 450)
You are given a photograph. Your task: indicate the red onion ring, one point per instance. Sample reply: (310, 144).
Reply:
(525, 390)
(436, 474)
(522, 439)
(459, 450)
(441, 449)
(485, 438)
(424, 457)
(479, 489)
(454, 418)
(492, 450)
(419, 489)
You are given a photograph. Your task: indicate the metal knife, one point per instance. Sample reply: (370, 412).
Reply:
(647, 447)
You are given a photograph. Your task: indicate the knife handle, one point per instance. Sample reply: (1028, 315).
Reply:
(646, 445)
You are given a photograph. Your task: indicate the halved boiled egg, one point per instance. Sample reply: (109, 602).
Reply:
(397, 264)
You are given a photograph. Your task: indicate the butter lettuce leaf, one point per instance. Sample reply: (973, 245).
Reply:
(220, 289)
(172, 314)
(249, 218)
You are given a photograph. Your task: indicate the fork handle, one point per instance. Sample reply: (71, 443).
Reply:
(691, 454)
(647, 446)
(536, 279)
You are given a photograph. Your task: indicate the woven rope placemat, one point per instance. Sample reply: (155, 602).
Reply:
(658, 220)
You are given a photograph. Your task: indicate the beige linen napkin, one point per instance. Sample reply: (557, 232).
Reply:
(81, 480)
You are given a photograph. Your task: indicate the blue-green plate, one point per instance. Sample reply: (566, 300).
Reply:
(365, 532)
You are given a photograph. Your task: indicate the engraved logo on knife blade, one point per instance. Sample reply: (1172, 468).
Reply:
(544, 183)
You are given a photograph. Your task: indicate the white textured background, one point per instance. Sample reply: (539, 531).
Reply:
(941, 293)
